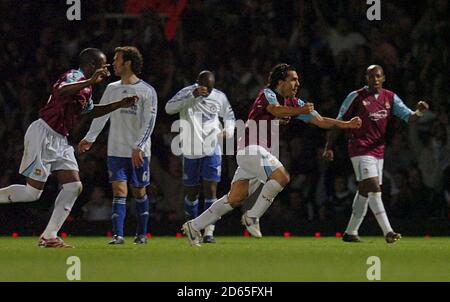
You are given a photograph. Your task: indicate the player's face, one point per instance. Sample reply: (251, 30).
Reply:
(98, 63)
(289, 87)
(375, 78)
(118, 64)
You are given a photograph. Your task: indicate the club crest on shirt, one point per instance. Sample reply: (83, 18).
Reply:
(366, 103)
(387, 105)
(37, 172)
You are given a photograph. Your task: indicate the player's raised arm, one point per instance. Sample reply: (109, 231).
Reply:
(286, 111)
(185, 98)
(329, 123)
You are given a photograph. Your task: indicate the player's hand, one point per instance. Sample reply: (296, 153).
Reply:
(284, 121)
(129, 101)
(100, 74)
(137, 158)
(84, 146)
(307, 108)
(355, 123)
(328, 155)
(200, 91)
(422, 106)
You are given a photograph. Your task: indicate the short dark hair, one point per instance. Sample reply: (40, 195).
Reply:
(131, 53)
(89, 55)
(279, 73)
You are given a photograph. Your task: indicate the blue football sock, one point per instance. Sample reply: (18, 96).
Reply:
(142, 212)
(119, 210)
(191, 208)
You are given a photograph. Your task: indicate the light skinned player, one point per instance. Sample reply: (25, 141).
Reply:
(46, 150)
(375, 106)
(256, 163)
(129, 143)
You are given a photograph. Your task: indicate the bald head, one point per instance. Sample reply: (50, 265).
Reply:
(206, 78)
(375, 77)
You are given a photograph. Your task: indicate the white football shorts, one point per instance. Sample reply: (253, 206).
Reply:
(45, 151)
(255, 164)
(368, 167)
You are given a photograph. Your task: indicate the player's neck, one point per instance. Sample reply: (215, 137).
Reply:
(129, 79)
(373, 90)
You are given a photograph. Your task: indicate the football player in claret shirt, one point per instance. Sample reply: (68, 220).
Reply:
(46, 149)
(375, 106)
(255, 157)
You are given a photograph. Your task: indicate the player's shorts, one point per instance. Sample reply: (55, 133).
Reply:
(122, 169)
(45, 151)
(206, 168)
(256, 164)
(367, 167)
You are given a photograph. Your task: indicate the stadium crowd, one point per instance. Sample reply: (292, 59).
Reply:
(330, 42)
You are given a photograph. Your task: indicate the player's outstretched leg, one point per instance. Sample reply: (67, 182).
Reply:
(19, 193)
(193, 227)
(63, 205)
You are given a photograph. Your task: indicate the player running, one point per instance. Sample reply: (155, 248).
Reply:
(129, 141)
(256, 163)
(375, 106)
(200, 106)
(46, 149)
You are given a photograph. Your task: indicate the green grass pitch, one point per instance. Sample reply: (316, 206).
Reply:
(237, 259)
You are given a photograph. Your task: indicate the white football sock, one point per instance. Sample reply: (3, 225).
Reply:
(268, 193)
(359, 211)
(19, 193)
(209, 230)
(377, 207)
(212, 214)
(63, 205)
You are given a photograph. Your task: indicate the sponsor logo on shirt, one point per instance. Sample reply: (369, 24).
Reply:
(379, 115)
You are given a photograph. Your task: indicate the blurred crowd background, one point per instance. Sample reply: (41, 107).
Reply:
(331, 43)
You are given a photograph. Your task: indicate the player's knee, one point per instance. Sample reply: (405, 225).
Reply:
(76, 187)
(33, 194)
(282, 178)
(236, 199)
